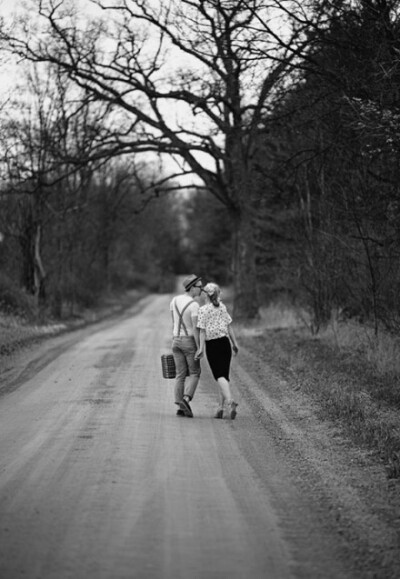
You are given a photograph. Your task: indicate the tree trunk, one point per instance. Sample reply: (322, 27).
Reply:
(27, 266)
(246, 302)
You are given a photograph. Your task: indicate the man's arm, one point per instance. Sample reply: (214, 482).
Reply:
(196, 332)
(171, 307)
(200, 349)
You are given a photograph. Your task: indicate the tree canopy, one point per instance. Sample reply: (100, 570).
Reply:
(286, 113)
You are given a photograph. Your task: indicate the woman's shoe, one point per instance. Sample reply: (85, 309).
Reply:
(233, 406)
(219, 413)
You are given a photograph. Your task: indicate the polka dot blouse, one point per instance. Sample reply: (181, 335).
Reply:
(214, 321)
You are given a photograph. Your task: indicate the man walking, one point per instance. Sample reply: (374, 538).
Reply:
(184, 309)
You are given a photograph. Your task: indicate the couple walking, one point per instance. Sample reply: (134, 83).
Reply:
(198, 330)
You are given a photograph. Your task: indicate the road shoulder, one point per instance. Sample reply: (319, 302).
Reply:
(347, 484)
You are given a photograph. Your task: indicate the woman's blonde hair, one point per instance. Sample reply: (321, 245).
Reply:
(214, 292)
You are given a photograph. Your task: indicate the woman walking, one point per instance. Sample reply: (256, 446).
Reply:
(216, 337)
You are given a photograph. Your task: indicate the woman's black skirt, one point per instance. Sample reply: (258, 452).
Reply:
(219, 354)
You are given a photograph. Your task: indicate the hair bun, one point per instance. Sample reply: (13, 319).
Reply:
(213, 291)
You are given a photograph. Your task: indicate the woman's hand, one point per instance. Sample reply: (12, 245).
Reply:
(199, 354)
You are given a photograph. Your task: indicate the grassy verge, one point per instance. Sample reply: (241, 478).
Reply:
(16, 331)
(353, 376)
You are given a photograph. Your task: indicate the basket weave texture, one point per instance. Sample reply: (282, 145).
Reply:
(168, 366)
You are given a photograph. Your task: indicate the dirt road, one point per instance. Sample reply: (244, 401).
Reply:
(99, 479)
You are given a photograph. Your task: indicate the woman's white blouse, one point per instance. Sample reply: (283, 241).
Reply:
(214, 321)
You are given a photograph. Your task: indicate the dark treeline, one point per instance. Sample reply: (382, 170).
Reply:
(330, 212)
(305, 186)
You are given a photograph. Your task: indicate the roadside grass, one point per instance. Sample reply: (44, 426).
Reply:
(353, 374)
(18, 331)
(371, 405)
(15, 332)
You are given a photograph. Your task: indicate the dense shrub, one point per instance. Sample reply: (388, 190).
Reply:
(14, 300)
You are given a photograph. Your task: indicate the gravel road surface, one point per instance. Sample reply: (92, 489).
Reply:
(99, 479)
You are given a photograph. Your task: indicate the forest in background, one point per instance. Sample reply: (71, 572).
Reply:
(312, 216)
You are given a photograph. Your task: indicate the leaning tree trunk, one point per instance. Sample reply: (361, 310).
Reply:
(33, 274)
(39, 272)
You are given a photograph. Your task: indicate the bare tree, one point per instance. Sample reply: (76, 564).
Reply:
(45, 132)
(186, 78)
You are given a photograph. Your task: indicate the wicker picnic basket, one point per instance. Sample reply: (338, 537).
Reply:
(168, 366)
